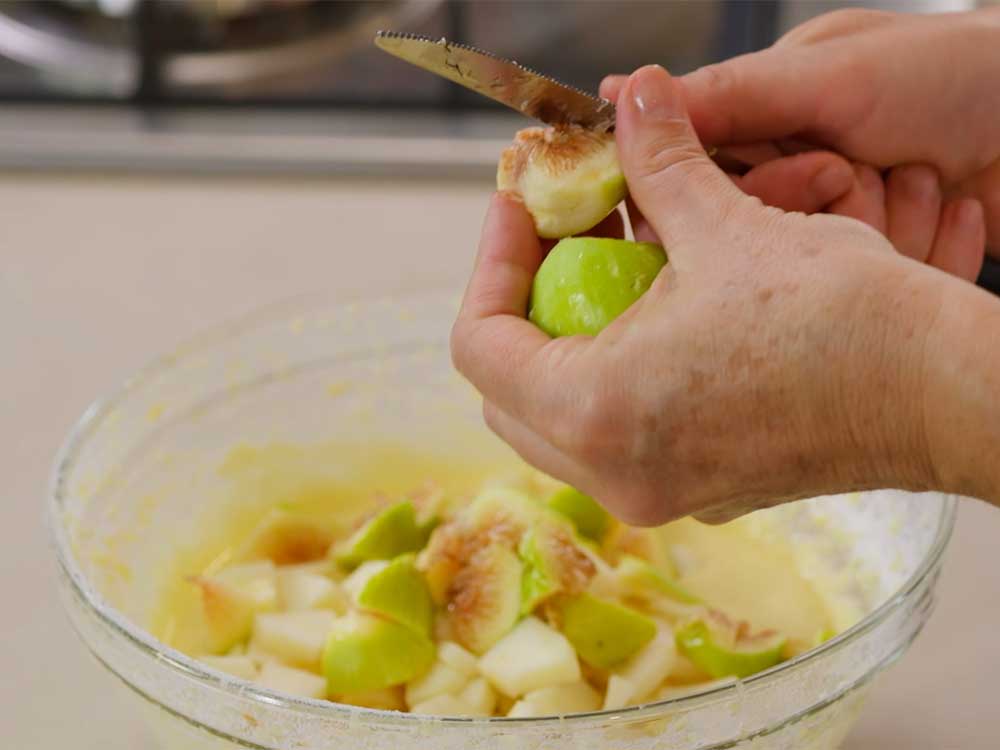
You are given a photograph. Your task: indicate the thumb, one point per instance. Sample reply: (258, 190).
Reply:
(673, 182)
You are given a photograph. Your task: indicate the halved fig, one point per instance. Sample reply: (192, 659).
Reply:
(568, 178)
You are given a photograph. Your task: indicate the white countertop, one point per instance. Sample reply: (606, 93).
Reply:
(99, 274)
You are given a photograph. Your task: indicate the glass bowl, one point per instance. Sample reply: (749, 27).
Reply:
(138, 474)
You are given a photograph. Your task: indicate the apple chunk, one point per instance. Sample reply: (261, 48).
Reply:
(530, 657)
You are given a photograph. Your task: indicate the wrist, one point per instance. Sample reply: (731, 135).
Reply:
(961, 391)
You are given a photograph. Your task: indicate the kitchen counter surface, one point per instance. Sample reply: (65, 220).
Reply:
(99, 274)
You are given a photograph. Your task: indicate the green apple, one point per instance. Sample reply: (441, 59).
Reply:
(587, 515)
(721, 650)
(586, 282)
(639, 578)
(399, 592)
(392, 532)
(369, 652)
(605, 633)
(558, 700)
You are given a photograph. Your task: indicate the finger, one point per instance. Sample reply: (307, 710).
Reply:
(985, 187)
(491, 343)
(613, 226)
(913, 205)
(611, 86)
(842, 23)
(761, 96)
(805, 182)
(532, 447)
(679, 190)
(960, 242)
(866, 199)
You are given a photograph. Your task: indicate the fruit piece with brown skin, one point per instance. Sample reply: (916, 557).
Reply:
(568, 178)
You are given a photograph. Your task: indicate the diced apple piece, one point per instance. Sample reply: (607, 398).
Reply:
(443, 705)
(530, 657)
(559, 700)
(440, 679)
(521, 710)
(232, 597)
(650, 666)
(296, 638)
(356, 581)
(457, 658)
(243, 667)
(302, 590)
(479, 697)
(282, 679)
(619, 693)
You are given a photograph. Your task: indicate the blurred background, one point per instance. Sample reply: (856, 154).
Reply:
(191, 84)
(169, 164)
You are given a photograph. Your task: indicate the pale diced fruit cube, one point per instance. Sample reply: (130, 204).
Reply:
(457, 658)
(361, 575)
(243, 667)
(479, 697)
(443, 705)
(440, 679)
(256, 582)
(529, 657)
(301, 589)
(558, 700)
(296, 638)
(619, 693)
(521, 710)
(645, 670)
(282, 679)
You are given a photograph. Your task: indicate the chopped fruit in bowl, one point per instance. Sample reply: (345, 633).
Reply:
(518, 601)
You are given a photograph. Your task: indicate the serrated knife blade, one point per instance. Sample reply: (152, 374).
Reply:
(505, 81)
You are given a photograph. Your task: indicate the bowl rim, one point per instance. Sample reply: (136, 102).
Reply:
(98, 412)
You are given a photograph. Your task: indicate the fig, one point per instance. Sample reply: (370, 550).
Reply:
(553, 564)
(484, 599)
(569, 178)
(584, 283)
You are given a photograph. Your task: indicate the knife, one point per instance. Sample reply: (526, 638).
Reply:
(517, 86)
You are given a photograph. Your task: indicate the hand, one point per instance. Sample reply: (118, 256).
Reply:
(918, 96)
(777, 356)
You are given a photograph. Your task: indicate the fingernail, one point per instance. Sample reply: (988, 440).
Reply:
(653, 93)
(833, 180)
(969, 215)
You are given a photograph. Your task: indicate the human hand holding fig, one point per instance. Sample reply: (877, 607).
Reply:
(776, 356)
